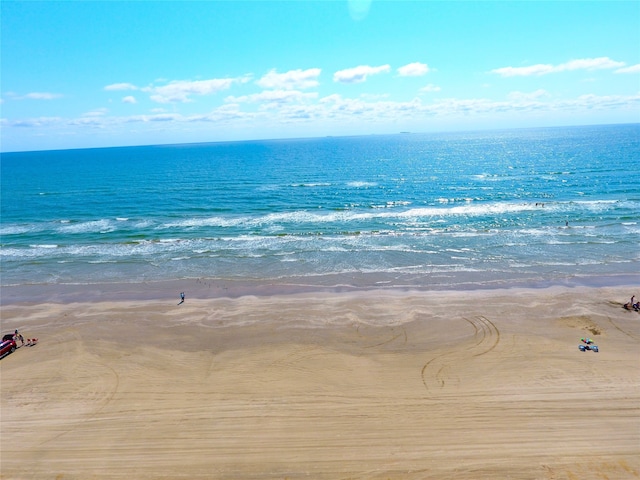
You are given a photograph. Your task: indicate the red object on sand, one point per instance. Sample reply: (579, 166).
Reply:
(7, 347)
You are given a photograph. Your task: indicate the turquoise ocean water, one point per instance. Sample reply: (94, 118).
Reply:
(442, 211)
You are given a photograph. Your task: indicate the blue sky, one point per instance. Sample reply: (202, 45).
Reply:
(91, 74)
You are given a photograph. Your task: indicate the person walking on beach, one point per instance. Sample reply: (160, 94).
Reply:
(181, 298)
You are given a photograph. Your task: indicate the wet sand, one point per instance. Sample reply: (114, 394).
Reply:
(354, 385)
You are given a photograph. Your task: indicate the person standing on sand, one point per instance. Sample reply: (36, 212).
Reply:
(181, 298)
(17, 336)
(630, 305)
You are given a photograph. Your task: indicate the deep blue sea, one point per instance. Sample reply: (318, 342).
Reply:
(448, 210)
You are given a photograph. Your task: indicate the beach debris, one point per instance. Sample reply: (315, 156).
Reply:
(584, 348)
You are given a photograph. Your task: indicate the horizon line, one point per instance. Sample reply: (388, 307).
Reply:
(272, 139)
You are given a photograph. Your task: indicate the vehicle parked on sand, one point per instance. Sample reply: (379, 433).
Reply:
(7, 347)
(584, 348)
(13, 336)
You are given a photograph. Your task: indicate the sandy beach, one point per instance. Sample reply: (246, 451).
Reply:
(353, 385)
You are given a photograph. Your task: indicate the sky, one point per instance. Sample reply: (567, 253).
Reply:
(79, 74)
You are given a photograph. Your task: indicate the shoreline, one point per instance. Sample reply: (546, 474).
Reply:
(204, 288)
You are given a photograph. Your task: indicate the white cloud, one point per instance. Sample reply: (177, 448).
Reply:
(544, 69)
(164, 117)
(415, 69)
(359, 74)
(538, 102)
(337, 107)
(181, 90)
(41, 96)
(524, 71)
(129, 99)
(521, 96)
(293, 79)
(371, 96)
(99, 112)
(430, 88)
(120, 86)
(159, 117)
(223, 115)
(603, 102)
(591, 64)
(37, 122)
(630, 69)
(273, 97)
(330, 98)
(294, 107)
(88, 122)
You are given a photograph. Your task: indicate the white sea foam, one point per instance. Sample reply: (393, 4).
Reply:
(361, 184)
(14, 230)
(196, 222)
(95, 226)
(391, 210)
(310, 185)
(305, 216)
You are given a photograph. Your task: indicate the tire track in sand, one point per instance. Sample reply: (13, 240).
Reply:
(394, 336)
(106, 396)
(439, 371)
(628, 334)
(381, 335)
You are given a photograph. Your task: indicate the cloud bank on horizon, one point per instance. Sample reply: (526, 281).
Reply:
(409, 79)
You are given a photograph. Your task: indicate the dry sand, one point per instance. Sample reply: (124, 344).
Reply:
(371, 385)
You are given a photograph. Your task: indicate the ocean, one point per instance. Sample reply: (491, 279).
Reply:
(490, 209)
